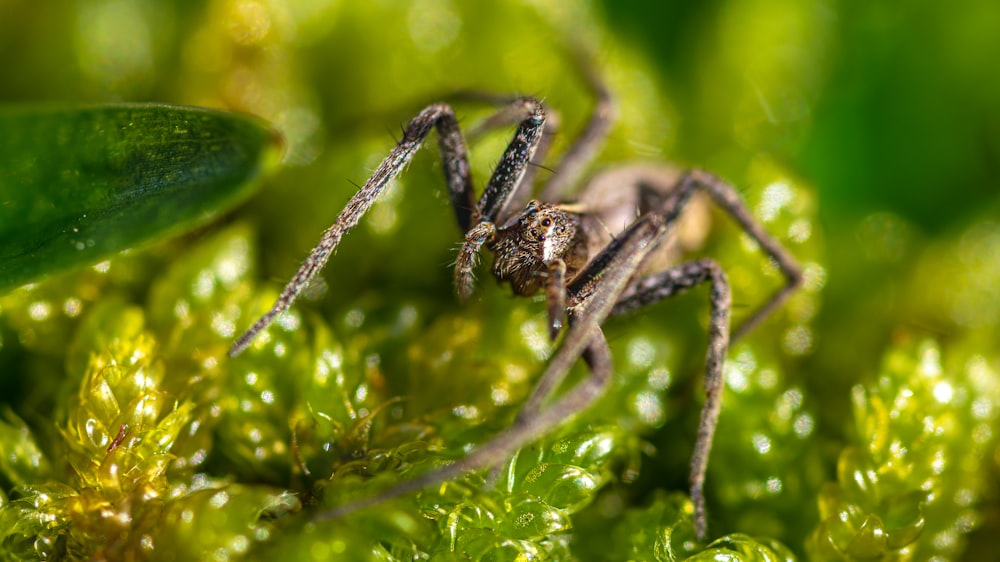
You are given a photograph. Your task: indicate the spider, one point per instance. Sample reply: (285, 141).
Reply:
(587, 268)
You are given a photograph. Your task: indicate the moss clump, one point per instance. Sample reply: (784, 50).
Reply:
(908, 486)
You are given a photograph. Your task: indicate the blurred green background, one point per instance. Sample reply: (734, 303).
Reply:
(886, 115)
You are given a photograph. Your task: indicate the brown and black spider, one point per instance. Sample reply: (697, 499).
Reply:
(588, 265)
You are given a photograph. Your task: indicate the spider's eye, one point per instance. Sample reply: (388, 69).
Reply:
(546, 222)
(542, 238)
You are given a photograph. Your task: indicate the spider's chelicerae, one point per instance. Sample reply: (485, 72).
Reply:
(596, 257)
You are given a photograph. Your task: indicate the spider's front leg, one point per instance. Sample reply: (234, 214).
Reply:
(455, 161)
(555, 296)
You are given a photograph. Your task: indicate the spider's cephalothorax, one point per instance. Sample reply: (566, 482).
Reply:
(589, 265)
(525, 249)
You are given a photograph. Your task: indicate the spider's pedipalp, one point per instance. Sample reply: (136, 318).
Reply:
(465, 264)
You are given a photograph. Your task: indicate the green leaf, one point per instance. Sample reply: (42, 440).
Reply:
(79, 184)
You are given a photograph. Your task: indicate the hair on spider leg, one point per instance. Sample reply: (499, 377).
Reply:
(541, 166)
(567, 245)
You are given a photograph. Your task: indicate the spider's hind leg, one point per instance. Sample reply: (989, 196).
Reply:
(616, 196)
(726, 197)
(675, 280)
(589, 142)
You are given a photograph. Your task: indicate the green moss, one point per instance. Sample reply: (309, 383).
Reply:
(908, 486)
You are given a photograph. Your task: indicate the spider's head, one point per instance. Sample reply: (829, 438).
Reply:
(547, 230)
(524, 247)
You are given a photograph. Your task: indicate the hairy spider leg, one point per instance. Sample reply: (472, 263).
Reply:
(508, 115)
(673, 281)
(584, 148)
(455, 161)
(580, 153)
(510, 170)
(728, 199)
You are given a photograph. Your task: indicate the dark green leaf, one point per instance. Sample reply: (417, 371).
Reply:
(79, 184)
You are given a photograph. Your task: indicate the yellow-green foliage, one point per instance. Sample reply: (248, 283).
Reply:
(907, 489)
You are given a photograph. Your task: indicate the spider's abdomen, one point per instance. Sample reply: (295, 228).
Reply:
(525, 247)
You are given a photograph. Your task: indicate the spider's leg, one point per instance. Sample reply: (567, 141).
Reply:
(673, 281)
(555, 296)
(509, 116)
(726, 196)
(576, 158)
(509, 172)
(510, 113)
(455, 160)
